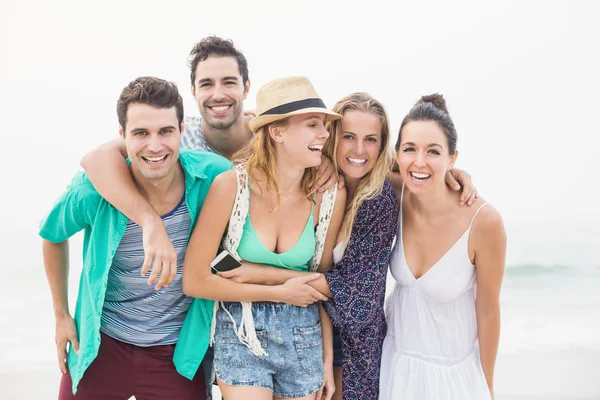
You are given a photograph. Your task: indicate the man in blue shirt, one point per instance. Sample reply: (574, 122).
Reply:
(126, 324)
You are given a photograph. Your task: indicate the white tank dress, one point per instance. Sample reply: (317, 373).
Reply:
(431, 350)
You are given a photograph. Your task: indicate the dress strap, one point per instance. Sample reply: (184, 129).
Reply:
(477, 212)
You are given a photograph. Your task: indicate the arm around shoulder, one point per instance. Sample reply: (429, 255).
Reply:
(108, 171)
(99, 154)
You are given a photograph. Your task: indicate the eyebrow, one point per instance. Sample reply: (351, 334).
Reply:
(367, 135)
(429, 145)
(145, 129)
(235, 78)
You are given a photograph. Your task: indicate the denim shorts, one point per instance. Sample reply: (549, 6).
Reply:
(291, 336)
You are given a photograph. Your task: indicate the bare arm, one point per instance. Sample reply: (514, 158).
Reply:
(56, 264)
(327, 332)
(490, 252)
(198, 279)
(109, 173)
(267, 275)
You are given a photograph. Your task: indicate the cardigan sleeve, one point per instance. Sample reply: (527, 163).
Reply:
(357, 282)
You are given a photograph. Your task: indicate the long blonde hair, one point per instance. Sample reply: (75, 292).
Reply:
(259, 157)
(371, 184)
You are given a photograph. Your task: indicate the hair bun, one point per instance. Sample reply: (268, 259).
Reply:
(436, 99)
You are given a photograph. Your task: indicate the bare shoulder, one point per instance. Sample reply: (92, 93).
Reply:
(340, 198)
(488, 223)
(225, 184)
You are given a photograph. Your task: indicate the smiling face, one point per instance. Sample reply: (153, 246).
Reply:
(152, 138)
(423, 156)
(359, 144)
(301, 139)
(219, 91)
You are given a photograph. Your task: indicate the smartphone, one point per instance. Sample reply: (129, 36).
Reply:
(225, 262)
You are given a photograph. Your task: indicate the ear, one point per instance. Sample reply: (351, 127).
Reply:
(276, 133)
(181, 127)
(453, 158)
(121, 132)
(246, 88)
(193, 87)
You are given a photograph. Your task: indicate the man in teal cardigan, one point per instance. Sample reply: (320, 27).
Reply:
(133, 334)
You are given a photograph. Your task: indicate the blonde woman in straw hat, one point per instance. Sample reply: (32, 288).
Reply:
(268, 339)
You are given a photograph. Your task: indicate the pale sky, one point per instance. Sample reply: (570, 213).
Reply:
(520, 79)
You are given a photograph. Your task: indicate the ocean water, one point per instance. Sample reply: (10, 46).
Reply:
(550, 308)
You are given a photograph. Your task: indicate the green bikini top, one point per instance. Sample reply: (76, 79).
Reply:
(297, 258)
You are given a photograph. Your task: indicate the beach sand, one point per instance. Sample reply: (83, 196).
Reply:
(569, 375)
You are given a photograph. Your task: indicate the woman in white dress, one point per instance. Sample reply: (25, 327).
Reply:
(448, 262)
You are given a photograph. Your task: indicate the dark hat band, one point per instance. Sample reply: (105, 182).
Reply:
(295, 106)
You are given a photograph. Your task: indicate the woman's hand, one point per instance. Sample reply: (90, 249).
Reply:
(298, 292)
(326, 392)
(457, 179)
(326, 176)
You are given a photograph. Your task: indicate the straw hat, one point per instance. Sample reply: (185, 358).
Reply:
(284, 97)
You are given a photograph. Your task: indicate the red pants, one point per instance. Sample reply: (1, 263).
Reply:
(123, 370)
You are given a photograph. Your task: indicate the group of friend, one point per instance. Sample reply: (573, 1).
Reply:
(312, 203)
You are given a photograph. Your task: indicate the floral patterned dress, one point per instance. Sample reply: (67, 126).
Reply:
(357, 283)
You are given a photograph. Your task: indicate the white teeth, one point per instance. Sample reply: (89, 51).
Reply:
(356, 160)
(420, 176)
(155, 159)
(317, 147)
(220, 108)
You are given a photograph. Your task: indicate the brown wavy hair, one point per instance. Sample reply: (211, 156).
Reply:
(216, 46)
(149, 90)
